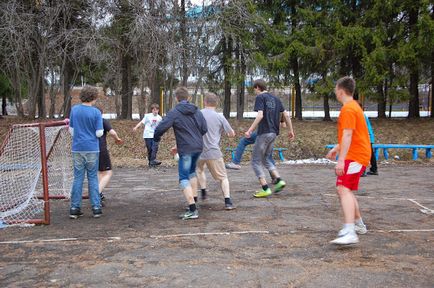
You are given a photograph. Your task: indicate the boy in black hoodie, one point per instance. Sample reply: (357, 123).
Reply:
(189, 126)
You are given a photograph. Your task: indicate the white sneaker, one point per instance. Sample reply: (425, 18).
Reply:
(346, 239)
(233, 166)
(361, 229)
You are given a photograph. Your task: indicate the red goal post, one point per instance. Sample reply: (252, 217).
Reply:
(35, 166)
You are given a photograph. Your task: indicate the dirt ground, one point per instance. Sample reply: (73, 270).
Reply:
(281, 241)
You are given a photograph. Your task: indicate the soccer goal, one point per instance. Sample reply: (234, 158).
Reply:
(35, 166)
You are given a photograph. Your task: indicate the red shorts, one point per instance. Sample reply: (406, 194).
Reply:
(351, 177)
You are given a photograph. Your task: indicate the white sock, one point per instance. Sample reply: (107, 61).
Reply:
(349, 227)
(359, 221)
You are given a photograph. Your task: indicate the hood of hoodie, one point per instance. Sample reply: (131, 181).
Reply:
(186, 108)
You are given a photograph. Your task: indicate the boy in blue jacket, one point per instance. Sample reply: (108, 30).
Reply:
(189, 126)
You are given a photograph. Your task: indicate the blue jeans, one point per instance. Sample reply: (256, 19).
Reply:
(85, 162)
(152, 147)
(244, 142)
(187, 168)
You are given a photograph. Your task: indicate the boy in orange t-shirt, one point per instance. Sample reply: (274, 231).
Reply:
(354, 151)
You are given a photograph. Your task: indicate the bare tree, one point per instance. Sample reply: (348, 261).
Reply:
(43, 36)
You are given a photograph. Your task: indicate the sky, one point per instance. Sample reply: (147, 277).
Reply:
(199, 2)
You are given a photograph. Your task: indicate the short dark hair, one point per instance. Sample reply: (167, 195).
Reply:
(347, 84)
(211, 99)
(260, 84)
(155, 105)
(181, 93)
(88, 94)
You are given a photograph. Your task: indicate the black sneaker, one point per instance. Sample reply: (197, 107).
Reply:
(97, 212)
(102, 197)
(190, 215)
(74, 213)
(228, 204)
(154, 163)
(372, 173)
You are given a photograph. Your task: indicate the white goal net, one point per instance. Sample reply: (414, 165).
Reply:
(27, 152)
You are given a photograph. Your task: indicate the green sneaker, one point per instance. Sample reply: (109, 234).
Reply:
(262, 193)
(279, 186)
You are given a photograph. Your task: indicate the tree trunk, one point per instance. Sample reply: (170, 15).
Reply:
(171, 92)
(154, 84)
(32, 83)
(227, 53)
(432, 72)
(4, 103)
(381, 102)
(32, 73)
(387, 96)
(52, 94)
(413, 105)
(295, 65)
(42, 112)
(118, 102)
(356, 69)
(127, 89)
(432, 85)
(241, 62)
(16, 83)
(326, 108)
(387, 86)
(67, 79)
(298, 101)
(184, 41)
(140, 100)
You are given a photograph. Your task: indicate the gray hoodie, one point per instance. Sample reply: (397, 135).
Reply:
(189, 126)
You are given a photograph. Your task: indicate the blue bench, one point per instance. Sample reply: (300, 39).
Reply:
(280, 150)
(385, 148)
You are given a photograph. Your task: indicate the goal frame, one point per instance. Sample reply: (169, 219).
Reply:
(44, 166)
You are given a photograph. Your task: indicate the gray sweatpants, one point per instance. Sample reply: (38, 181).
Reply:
(263, 147)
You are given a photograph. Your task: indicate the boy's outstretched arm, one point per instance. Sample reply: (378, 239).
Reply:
(137, 126)
(115, 136)
(164, 125)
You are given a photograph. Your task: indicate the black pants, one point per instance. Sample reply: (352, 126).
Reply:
(374, 167)
(152, 148)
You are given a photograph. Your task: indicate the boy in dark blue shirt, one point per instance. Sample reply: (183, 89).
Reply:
(270, 112)
(189, 126)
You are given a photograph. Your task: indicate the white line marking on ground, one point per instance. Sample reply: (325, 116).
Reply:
(289, 233)
(424, 209)
(208, 234)
(383, 198)
(403, 230)
(109, 239)
(162, 190)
